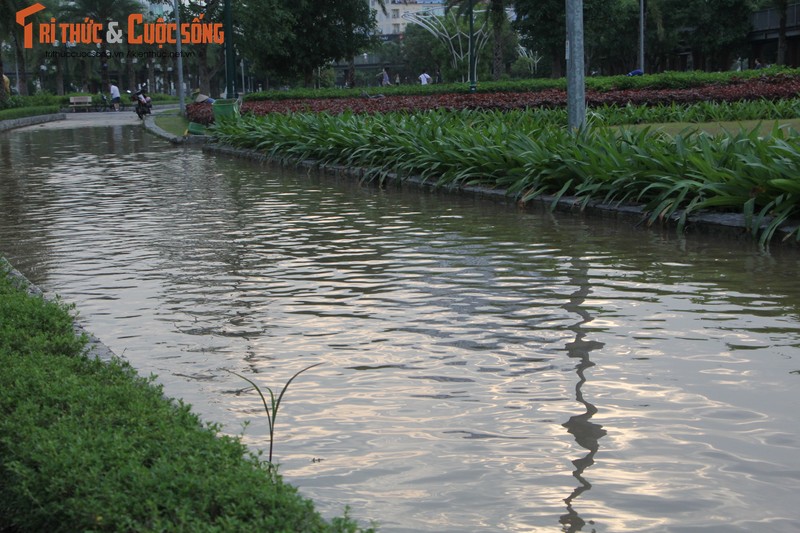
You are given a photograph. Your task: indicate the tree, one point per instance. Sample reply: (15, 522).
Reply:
(294, 37)
(542, 26)
(101, 11)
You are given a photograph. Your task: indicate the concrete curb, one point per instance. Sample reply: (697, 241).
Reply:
(6, 125)
(95, 347)
(724, 225)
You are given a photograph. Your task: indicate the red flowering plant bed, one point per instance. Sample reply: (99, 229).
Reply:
(774, 87)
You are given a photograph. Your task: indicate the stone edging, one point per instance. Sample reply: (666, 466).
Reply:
(728, 225)
(6, 125)
(95, 347)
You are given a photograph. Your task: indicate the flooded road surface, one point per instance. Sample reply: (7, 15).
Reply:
(485, 369)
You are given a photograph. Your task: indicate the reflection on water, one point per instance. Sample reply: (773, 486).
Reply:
(586, 433)
(485, 369)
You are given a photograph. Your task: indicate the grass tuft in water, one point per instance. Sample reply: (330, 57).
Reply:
(272, 408)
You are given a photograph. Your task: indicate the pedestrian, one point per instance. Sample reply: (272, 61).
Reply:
(384, 77)
(438, 76)
(425, 78)
(397, 79)
(115, 99)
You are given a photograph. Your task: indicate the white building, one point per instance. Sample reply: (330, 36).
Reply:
(393, 22)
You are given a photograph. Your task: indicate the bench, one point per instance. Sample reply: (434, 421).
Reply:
(78, 102)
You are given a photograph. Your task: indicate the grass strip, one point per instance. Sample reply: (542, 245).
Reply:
(22, 112)
(173, 123)
(91, 446)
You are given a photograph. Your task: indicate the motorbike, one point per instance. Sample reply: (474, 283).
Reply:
(143, 103)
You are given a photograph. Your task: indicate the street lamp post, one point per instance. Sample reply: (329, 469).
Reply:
(181, 100)
(230, 62)
(576, 79)
(472, 74)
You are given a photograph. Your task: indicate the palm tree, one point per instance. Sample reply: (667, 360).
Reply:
(498, 20)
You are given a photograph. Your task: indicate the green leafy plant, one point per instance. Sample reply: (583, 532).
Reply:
(274, 404)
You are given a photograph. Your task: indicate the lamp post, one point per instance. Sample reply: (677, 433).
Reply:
(181, 101)
(230, 62)
(472, 74)
(576, 79)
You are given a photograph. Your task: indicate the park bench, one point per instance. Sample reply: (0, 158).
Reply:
(78, 102)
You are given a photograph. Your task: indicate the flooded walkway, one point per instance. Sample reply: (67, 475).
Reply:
(484, 369)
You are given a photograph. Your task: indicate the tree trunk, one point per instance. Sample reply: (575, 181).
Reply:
(203, 73)
(498, 15)
(350, 78)
(783, 7)
(60, 75)
(498, 64)
(131, 74)
(22, 82)
(556, 71)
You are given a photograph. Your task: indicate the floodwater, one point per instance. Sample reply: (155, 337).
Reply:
(484, 368)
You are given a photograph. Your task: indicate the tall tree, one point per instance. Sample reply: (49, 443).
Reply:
(101, 11)
(294, 37)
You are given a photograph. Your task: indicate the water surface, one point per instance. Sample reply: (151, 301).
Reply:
(485, 368)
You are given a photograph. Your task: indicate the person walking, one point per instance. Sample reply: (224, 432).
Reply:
(425, 78)
(384, 77)
(115, 99)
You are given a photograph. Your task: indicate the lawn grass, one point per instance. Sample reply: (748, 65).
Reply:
(765, 127)
(172, 122)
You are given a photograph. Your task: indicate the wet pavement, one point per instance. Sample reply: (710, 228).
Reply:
(91, 119)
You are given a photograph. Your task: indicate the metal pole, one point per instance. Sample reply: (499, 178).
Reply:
(230, 61)
(181, 100)
(641, 35)
(472, 74)
(576, 83)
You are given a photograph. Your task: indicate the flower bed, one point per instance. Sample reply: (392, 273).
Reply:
(774, 87)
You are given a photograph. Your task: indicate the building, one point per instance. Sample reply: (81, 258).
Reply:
(764, 35)
(392, 24)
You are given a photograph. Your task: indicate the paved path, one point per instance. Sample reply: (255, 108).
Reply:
(83, 119)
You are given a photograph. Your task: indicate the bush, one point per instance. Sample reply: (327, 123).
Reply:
(11, 114)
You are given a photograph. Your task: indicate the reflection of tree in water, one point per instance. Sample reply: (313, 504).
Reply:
(586, 433)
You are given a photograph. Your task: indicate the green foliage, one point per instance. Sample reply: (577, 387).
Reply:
(90, 446)
(10, 114)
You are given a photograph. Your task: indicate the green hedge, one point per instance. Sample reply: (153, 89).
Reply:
(11, 114)
(90, 446)
(665, 80)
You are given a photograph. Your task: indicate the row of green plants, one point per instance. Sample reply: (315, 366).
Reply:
(87, 445)
(531, 155)
(665, 80)
(42, 99)
(22, 112)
